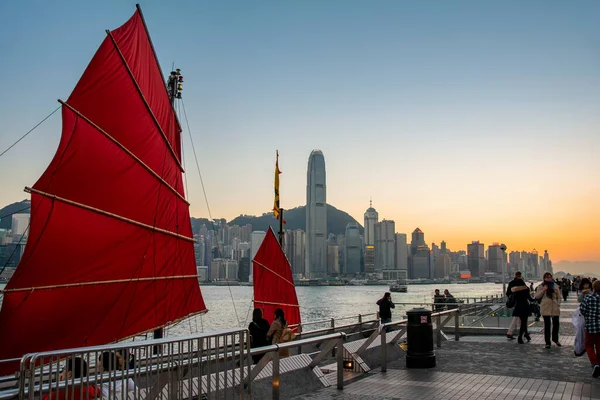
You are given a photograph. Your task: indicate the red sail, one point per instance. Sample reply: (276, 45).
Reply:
(273, 282)
(109, 253)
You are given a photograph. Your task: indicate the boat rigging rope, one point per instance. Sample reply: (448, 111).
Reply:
(12, 213)
(187, 193)
(15, 249)
(206, 199)
(28, 132)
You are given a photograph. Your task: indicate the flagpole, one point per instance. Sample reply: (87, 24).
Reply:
(280, 234)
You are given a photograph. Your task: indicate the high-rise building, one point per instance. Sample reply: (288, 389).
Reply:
(402, 255)
(256, 239)
(19, 224)
(295, 249)
(316, 216)
(547, 263)
(421, 263)
(443, 248)
(476, 258)
(385, 245)
(418, 239)
(495, 258)
(443, 266)
(371, 218)
(352, 249)
(245, 232)
(333, 260)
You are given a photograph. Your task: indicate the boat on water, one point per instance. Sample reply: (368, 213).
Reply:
(399, 287)
(116, 179)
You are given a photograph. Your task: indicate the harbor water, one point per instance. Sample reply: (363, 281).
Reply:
(231, 306)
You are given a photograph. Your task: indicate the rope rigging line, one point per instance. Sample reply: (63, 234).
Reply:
(16, 212)
(31, 130)
(15, 249)
(186, 194)
(207, 204)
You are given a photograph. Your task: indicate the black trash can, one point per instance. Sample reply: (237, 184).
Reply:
(419, 333)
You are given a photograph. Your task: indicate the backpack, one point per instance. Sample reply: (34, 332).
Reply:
(287, 335)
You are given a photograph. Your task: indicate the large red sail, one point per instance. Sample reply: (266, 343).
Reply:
(110, 251)
(273, 282)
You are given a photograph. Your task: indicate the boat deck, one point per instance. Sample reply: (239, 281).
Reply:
(484, 367)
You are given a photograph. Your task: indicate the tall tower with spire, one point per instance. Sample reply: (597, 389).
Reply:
(371, 219)
(316, 216)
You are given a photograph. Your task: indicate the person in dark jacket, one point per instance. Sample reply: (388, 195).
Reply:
(385, 308)
(515, 319)
(259, 327)
(522, 309)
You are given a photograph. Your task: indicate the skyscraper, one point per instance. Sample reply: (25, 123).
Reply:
(385, 245)
(476, 258)
(256, 239)
(495, 258)
(352, 250)
(401, 255)
(371, 218)
(316, 216)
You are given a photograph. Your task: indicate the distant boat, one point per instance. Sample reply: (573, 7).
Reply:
(398, 288)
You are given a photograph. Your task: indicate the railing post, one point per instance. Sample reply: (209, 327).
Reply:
(438, 336)
(360, 329)
(383, 349)
(275, 375)
(332, 325)
(340, 363)
(456, 335)
(300, 334)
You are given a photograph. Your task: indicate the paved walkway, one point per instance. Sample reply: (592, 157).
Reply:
(485, 367)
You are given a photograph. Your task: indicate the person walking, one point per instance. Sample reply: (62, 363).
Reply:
(521, 294)
(548, 292)
(565, 287)
(590, 309)
(513, 324)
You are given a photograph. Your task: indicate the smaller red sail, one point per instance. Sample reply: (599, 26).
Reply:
(273, 283)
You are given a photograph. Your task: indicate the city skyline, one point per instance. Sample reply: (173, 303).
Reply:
(450, 118)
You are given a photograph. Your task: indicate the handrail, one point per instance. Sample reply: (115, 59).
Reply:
(272, 355)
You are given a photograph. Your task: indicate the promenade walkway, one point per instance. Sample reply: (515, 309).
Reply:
(485, 367)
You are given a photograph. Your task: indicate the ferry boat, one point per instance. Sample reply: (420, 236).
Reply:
(398, 288)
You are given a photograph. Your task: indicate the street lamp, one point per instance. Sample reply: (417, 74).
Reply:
(503, 248)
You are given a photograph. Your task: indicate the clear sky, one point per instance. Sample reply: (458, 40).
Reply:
(473, 120)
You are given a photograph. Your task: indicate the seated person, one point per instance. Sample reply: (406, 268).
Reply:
(75, 368)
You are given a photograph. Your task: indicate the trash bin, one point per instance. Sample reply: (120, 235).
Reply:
(419, 339)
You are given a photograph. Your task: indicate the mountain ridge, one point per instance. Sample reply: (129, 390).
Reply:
(295, 219)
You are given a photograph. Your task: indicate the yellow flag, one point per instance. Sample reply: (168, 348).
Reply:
(276, 201)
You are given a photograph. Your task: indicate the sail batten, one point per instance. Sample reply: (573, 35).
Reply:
(66, 285)
(125, 149)
(110, 251)
(273, 281)
(137, 86)
(108, 214)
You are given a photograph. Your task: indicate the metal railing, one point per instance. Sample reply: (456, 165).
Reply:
(187, 367)
(272, 354)
(192, 367)
(401, 327)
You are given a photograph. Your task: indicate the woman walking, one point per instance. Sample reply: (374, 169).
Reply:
(521, 294)
(548, 292)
